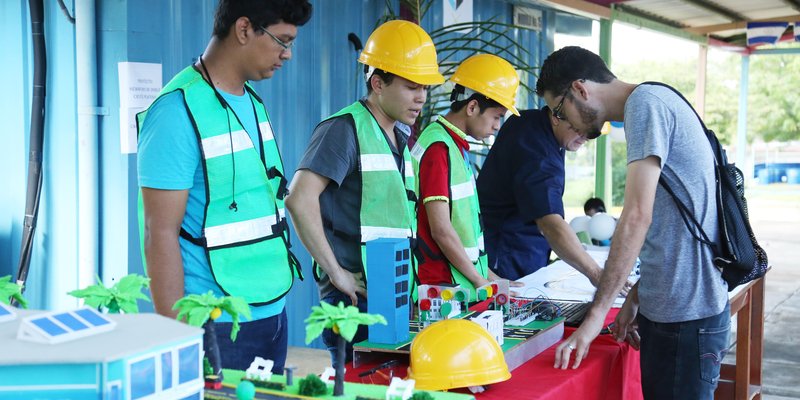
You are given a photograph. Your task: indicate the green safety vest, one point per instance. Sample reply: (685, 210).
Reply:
(464, 207)
(246, 245)
(388, 203)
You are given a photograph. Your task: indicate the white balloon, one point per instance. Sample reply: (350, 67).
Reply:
(580, 224)
(601, 226)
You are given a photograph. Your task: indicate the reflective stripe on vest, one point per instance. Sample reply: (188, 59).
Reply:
(386, 210)
(246, 247)
(464, 207)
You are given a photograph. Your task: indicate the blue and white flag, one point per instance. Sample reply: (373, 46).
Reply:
(764, 32)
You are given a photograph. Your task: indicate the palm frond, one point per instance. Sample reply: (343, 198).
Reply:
(11, 290)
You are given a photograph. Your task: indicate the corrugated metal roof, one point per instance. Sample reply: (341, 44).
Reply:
(724, 20)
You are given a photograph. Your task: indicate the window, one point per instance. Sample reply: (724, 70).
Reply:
(143, 378)
(189, 363)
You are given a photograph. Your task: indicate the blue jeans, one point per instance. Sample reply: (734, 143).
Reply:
(329, 338)
(266, 338)
(681, 360)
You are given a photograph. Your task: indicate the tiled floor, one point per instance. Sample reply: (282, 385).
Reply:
(308, 360)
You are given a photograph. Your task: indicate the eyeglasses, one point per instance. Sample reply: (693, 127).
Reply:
(558, 112)
(286, 46)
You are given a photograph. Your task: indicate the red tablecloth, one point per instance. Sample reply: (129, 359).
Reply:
(610, 372)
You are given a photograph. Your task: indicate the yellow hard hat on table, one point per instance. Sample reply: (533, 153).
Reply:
(456, 353)
(403, 48)
(490, 76)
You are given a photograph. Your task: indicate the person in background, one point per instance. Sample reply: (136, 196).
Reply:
(450, 246)
(678, 311)
(212, 208)
(593, 206)
(355, 182)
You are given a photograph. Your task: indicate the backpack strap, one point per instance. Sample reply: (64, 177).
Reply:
(719, 159)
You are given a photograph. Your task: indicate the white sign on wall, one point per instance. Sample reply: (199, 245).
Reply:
(456, 12)
(139, 85)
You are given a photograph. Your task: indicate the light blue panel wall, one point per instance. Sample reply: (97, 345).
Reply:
(54, 253)
(322, 77)
(58, 220)
(14, 38)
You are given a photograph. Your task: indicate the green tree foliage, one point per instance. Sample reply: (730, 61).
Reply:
(421, 396)
(9, 290)
(343, 320)
(120, 297)
(196, 309)
(312, 386)
(774, 99)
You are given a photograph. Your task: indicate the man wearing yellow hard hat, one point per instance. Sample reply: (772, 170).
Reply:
(450, 245)
(354, 180)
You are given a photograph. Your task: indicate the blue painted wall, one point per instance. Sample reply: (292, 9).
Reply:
(322, 77)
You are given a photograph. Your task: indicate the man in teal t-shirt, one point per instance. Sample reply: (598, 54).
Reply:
(251, 40)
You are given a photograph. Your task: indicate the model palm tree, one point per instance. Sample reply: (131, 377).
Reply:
(119, 298)
(202, 310)
(344, 322)
(11, 290)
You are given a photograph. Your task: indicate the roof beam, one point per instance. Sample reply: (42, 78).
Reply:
(717, 9)
(704, 30)
(646, 22)
(794, 3)
(579, 7)
(647, 16)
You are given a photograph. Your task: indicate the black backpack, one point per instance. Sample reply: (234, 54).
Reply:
(737, 252)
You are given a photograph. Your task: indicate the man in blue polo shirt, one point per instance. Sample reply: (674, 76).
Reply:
(520, 188)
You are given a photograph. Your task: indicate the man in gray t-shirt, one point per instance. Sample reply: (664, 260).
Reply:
(680, 304)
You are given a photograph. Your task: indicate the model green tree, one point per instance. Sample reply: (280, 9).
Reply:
(11, 290)
(121, 297)
(344, 322)
(201, 310)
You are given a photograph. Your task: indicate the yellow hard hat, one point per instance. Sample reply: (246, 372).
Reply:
(490, 76)
(404, 49)
(456, 353)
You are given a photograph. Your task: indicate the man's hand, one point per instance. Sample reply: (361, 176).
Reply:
(578, 342)
(348, 284)
(626, 289)
(495, 277)
(625, 326)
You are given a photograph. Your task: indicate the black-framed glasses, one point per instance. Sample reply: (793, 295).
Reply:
(558, 111)
(286, 46)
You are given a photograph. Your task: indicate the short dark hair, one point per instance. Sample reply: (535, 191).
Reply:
(567, 65)
(594, 204)
(386, 77)
(261, 13)
(484, 102)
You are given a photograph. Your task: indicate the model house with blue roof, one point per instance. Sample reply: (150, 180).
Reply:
(82, 354)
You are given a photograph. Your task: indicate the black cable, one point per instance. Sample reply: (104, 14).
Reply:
(233, 206)
(34, 188)
(70, 18)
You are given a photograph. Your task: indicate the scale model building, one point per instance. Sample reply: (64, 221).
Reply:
(142, 356)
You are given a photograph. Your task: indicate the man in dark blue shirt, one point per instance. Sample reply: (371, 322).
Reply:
(520, 189)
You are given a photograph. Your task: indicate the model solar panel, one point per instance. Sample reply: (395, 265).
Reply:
(6, 313)
(63, 326)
